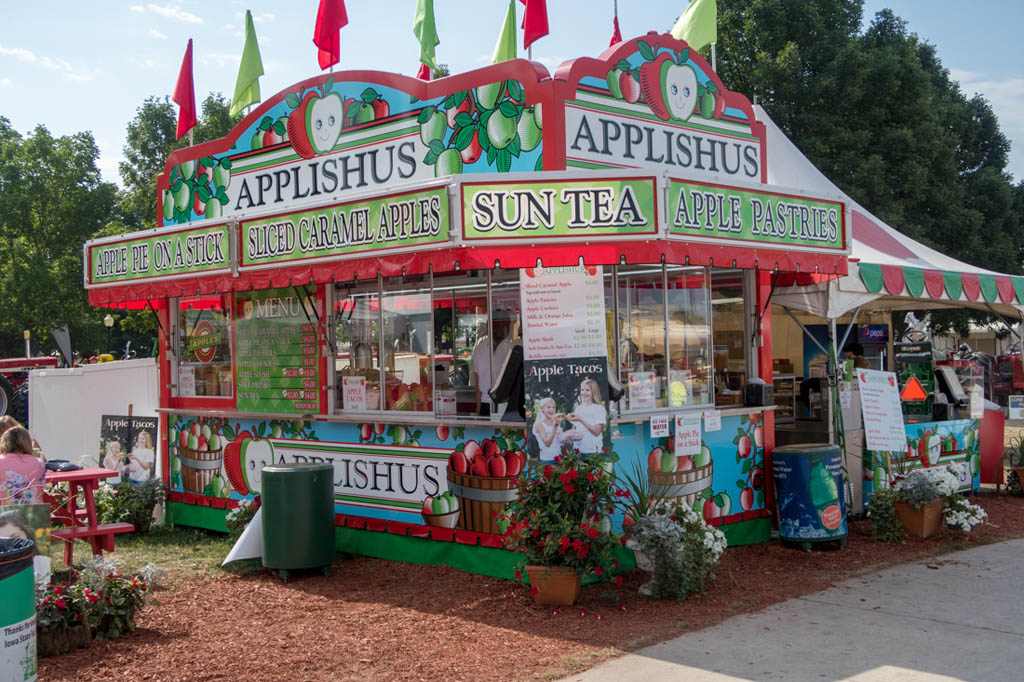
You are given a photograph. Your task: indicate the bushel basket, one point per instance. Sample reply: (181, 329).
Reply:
(198, 468)
(482, 499)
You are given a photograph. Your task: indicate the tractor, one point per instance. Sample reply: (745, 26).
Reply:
(14, 384)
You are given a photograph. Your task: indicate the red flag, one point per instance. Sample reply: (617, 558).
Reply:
(185, 94)
(535, 21)
(424, 73)
(329, 19)
(616, 34)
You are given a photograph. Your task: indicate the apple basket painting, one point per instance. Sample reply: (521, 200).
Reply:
(680, 479)
(201, 452)
(483, 480)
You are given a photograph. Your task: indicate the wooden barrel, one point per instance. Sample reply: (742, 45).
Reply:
(482, 499)
(198, 468)
(683, 487)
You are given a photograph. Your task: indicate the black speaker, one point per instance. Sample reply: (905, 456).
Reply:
(758, 395)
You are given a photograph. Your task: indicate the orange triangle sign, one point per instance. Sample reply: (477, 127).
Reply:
(913, 391)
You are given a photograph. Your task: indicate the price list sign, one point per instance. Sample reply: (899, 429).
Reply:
(276, 351)
(563, 312)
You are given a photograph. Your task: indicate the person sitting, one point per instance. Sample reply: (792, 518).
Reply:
(9, 422)
(854, 351)
(21, 473)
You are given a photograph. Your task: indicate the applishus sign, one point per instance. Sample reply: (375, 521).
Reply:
(165, 254)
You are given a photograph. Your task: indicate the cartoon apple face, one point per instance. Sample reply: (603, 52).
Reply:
(680, 88)
(323, 122)
(255, 454)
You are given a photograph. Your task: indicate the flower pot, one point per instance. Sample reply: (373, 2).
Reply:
(556, 585)
(60, 640)
(643, 562)
(922, 522)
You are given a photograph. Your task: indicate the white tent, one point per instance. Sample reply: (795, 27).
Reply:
(888, 270)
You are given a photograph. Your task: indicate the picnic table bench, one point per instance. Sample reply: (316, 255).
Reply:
(82, 521)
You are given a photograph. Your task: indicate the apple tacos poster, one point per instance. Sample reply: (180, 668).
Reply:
(127, 446)
(567, 404)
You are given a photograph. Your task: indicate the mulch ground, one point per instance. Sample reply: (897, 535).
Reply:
(381, 620)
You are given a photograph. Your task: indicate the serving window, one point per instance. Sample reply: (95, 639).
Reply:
(203, 347)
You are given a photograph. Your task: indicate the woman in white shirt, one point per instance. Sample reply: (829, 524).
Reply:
(547, 430)
(589, 417)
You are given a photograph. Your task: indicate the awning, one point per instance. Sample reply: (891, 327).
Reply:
(888, 270)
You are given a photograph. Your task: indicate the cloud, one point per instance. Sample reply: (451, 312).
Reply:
(220, 59)
(173, 12)
(1006, 96)
(6, 82)
(54, 64)
(138, 9)
(157, 34)
(21, 54)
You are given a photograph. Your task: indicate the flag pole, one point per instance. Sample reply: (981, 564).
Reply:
(714, 59)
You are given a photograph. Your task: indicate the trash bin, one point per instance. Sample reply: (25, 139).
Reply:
(810, 493)
(18, 613)
(298, 517)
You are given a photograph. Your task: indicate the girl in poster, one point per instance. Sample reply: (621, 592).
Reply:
(589, 418)
(547, 430)
(141, 457)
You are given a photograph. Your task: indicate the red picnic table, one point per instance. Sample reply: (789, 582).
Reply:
(81, 522)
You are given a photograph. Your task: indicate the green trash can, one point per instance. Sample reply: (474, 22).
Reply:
(810, 493)
(17, 610)
(298, 517)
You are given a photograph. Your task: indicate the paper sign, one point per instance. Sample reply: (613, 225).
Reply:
(977, 403)
(1017, 407)
(641, 391)
(713, 420)
(688, 434)
(186, 381)
(680, 387)
(354, 392)
(446, 402)
(882, 411)
(659, 425)
(845, 395)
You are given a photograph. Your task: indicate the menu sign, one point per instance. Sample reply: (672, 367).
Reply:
(883, 413)
(276, 351)
(563, 312)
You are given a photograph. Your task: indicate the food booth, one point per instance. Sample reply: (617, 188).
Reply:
(344, 276)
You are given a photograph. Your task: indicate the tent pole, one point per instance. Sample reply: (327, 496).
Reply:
(807, 332)
(849, 327)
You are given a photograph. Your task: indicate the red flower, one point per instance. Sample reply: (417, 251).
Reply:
(518, 574)
(58, 590)
(593, 532)
(598, 572)
(547, 471)
(615, 563)
(533, 590)
(618, 581)
(569, 489)
(590, 477)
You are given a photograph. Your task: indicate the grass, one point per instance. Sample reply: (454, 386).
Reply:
(178, 550)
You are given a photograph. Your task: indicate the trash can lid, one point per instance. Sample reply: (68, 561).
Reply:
(806, 449)
(15, 555)
(297, 467)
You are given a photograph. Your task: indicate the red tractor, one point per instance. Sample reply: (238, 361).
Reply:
(1009, 376)
(14, 384)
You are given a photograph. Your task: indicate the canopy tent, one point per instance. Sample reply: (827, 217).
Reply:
(888, 270)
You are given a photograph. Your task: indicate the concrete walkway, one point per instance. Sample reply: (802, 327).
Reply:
(956, 617)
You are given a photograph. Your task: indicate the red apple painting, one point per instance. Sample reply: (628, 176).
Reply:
(315, 125)
(669, 89)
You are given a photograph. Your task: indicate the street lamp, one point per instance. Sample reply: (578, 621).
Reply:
(108, 322)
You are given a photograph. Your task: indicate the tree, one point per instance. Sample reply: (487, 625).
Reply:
(148, 143)
(51, 202)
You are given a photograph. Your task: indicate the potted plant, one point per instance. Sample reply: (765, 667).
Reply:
(129, 502)
(921, 497)
(560, 523)
(61, 624)
(680, 548)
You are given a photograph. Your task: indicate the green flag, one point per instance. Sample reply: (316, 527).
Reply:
(699, 24)
(247, 87)
(425, 30)
(506, 47)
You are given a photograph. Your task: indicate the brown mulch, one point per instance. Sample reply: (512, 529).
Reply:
(380, 620)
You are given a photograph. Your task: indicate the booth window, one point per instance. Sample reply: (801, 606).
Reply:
(729, 341)
(356, 333)
(460, 326)
(204, 347)
(642, 344)
(406, 343)
(689, 336)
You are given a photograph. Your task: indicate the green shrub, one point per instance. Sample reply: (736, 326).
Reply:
(129, 503)
(885, 525)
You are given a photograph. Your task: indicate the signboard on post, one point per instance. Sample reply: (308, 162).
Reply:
(883, 413)
(149, 255)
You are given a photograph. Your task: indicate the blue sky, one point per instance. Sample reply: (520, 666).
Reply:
(75, 66)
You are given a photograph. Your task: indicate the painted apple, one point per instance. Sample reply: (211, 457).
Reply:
(711, 510)
(365, 432)
(501, 129)
(490, 448)
(529, 130)
(869, 474)
(881, 480)
(439, 505)
(497, 467)
(183, 438)
(759, 436)
(221, 176)
(747, 498)
(381, 108)
(458, 463)
(669, 89)
(513, 465)
(442, 431)
(434, 128)
(449, 162)
(315, 125)
(756, 478)
(428, 505)
(479, 467)
(453, 502)
(401, 435)
(490, 94)
(255, 454)
(629, 86)
(472, 449)
(669, 462)
(930, 449)
(364, 113)
(743, 446)
(473, 150)
(464, 107)
(654, 459)
(613, 82)
(704, 458)
(167, 203)
(685, 463)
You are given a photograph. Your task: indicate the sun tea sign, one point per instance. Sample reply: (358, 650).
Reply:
(160, 255)
(585, 208)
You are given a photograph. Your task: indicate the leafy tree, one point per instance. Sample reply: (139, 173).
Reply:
(51, 202)
(150, 140)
